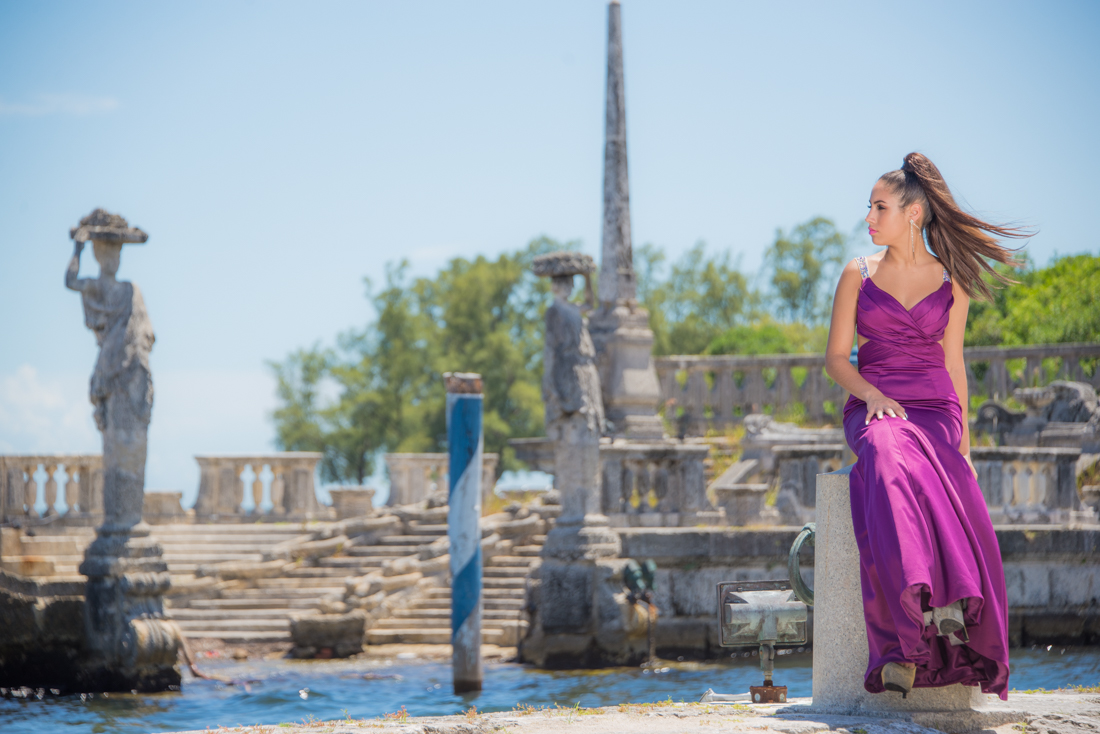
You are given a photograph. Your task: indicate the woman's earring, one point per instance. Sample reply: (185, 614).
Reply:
(912, 247)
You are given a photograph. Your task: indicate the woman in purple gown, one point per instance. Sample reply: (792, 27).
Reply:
(930, 566)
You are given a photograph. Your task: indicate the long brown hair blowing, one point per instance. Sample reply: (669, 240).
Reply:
(962, 242)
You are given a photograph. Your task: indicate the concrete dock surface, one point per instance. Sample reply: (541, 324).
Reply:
(1058, 712)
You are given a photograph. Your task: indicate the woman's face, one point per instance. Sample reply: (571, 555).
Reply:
(886, 221)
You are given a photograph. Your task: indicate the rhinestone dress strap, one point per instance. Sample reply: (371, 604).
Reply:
(946, 276)
(862, 263)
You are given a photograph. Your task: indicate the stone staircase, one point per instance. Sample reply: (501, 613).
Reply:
(427, 619)
(259, 610)
(245, 608)
(50, 553)
(231, 610)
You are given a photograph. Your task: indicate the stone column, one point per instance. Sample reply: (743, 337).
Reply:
(840, 633)
(620, 328)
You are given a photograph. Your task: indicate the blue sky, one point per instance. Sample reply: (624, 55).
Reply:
(277, 153)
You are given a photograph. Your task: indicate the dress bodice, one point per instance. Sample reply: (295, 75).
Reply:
(900, 336)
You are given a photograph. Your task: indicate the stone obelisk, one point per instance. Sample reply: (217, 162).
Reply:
(620, 327)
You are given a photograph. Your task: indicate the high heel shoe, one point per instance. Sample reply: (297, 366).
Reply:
(949, 620)
(899, 678)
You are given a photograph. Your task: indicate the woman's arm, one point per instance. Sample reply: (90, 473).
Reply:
(72, 281)
(956, 367)
(842, 331)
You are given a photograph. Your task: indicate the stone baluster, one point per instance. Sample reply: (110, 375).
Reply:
(30, 491)
(50, 490)
(72, 488)
(230, 489)
(1008, 482)
(278, 489)
(755, 389)
(257, 488)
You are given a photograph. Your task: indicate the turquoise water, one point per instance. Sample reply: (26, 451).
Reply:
(293, 691)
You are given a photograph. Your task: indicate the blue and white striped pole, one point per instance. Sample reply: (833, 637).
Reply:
(464, 442)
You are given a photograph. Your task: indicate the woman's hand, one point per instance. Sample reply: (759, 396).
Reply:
(882, 406)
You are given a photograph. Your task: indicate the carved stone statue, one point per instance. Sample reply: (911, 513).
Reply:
(121, 385)
(574, 413)
(130, 644)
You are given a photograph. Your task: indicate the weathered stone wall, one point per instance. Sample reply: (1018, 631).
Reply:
(41, 634)
(1052, 574)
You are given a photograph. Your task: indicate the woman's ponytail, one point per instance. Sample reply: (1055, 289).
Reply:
(962, 242)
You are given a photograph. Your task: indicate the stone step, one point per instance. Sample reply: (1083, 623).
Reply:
(246, 625)
(257, 604)
(509, 561)
(527, 551)
(510, 605)
(285, 592)
(445, 613)
(377, 636)
(504, 572)
(299, 582)
(220, 614)
(404, 540)
(350, 562)
(429, 637)
(212, 556)
(387, 551)
(53, 546)
(444, 592)
(489, 582)
(238, 635)
(71, 559)
(251, 540)
(416, 528)
(319, 572)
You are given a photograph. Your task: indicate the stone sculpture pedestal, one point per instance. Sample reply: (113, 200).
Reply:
(631, 392)
(131, 644)
(840, 633)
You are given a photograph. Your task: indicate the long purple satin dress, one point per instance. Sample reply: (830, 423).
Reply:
(924, 534)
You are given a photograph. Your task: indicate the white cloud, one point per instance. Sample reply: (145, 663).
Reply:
(79, 105)
(40, 415)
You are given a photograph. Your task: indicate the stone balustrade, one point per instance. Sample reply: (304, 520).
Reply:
(20, 493)
(1031, 485)
(718, 391)
(655, 484)
(413, 477)
(290, 493)
(998, 381)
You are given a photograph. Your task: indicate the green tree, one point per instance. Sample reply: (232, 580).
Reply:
(1050, 305)
(803, 263)
(766, 336)
(476, 315)
(703, 296)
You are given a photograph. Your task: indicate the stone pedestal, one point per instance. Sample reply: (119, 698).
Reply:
(840, 639)
(131, 645)
(352, 502)
(631, 392)
(583, 618)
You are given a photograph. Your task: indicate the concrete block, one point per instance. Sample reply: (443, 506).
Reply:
(840, 648)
